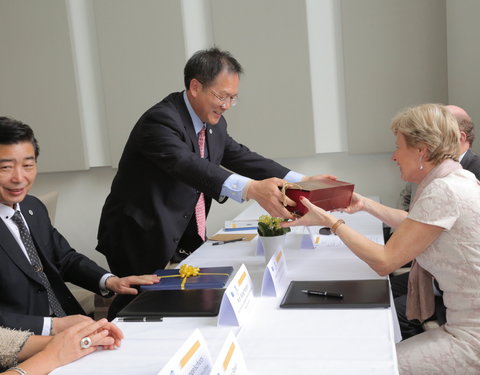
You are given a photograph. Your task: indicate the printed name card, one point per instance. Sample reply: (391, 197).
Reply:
(235, 225)
(230, 361)
(193, 358)
(311, 239)
(274, 275)
(237, 300)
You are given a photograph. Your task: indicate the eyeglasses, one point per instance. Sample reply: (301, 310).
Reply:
(233, 99)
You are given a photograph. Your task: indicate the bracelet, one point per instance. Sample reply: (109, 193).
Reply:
(19, 370)
(336, 225)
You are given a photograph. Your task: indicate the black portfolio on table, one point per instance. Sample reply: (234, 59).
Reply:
(167, 303)
(356, 294)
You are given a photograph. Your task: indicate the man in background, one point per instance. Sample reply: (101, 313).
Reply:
(35, 259)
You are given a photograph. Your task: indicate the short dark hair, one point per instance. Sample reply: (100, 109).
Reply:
(13, 131)
(205, 65)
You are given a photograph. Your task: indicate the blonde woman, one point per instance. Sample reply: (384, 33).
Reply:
(441, 233)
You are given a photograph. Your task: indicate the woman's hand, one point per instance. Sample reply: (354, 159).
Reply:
(65, 346)
(314, 216)
(357, 204)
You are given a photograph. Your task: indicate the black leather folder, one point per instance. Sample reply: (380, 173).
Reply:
(356, 294)
(168, 303)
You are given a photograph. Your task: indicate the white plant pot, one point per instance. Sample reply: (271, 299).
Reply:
(272, 244)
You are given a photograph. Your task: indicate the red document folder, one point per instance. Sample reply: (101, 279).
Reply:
(327, 194)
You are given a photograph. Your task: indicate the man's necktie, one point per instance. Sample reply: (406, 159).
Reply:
(200, 207)
(37, 264)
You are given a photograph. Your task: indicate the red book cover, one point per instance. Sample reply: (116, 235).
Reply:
(327, 194)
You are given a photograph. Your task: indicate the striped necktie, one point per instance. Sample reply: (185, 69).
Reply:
(200, 207)
(37, 263)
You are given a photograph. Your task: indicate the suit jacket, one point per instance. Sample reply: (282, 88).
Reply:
(471, 162)
(23, 299)
(159, 180)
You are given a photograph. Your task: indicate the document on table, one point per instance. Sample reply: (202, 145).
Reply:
(335, 241)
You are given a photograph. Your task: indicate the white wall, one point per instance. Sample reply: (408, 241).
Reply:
(464, 58)
(82, 194)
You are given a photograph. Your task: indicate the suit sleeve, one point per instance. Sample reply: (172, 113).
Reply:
(75, 267)
(162, 139)
(241, 160)
(68, 263)
(22, 322)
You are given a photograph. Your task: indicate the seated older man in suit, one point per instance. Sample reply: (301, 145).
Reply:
(35, 260)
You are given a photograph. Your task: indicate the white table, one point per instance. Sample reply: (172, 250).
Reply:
(274, 340)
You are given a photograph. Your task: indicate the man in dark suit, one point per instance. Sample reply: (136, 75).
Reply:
(161, 194)
(35, 260)
(469, 161)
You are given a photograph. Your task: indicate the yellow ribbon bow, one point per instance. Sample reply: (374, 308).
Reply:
(187, 271)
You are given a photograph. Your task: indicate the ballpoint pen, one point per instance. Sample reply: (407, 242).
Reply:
(228, 241)
(323, 293)
(140, 319)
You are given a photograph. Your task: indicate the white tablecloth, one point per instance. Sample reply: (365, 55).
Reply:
(274, 340)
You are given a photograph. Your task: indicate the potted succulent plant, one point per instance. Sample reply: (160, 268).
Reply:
(272, 235)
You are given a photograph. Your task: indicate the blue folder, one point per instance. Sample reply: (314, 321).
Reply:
(209, 277)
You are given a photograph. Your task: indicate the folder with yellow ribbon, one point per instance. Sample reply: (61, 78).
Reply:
(189, 277)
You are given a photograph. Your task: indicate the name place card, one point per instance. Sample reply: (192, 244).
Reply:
(311, 239)
(274, 275)
(193, 358)
(230, 361)
(237, 300)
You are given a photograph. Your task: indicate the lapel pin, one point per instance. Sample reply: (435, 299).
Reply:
(210, 131)
(30, 212)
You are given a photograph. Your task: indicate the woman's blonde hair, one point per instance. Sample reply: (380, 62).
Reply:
(432, 125)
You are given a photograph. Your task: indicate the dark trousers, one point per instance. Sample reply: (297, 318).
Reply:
(411, 328)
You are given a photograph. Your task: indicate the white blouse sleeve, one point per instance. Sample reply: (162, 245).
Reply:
(437, 205)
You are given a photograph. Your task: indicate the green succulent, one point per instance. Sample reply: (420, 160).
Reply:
(269, 226)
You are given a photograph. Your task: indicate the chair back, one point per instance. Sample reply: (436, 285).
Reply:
(50, 201)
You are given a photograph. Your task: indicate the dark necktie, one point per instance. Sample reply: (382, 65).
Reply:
(200, 207)
(37, 264)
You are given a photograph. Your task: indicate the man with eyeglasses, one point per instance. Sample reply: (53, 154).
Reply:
(179, 157)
